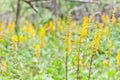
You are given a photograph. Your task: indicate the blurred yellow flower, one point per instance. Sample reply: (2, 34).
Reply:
(105, 18)
(84, 32)
(52, 27)
(32, 32)
(118, 58)
(106, 31)
(114, 20)
(11, 26)
(59, 25)
(85, 21)
(42, 33)
(2, 26)
(14, 39)
(22, 39)
(96, 42)
(100, 25)
(37, 48)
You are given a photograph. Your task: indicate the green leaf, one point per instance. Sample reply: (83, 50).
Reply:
(111, 73)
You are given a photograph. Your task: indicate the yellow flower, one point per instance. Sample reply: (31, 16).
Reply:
(105, 18)
(118, 58)
(100, 25)
(114, 20)
(85, 21)
(68, 38)
(84, 32)
(14, 39)
(22, 39)
(106, 31)
(32, 32)
(105, 62)
(42, 33)
(37, 48)
(52, 27)
(37, 51)
(96, 42)
(25, 29)
(11, 26)
(2, 26)
(59, 25)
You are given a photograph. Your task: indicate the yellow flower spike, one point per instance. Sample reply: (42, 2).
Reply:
(59, 25)
(85, 21)
(42, 33)
(52, 27)
(37, 48)
(22, 39)
(14, 39)
(105, 18)
(2, 27)
(118, 58)
(84, 33)
(105, 62)
(11, 26)
(25, 29)
(106, 31)
(100, 25)
(114, 20)
(32, 32)
(96, 42)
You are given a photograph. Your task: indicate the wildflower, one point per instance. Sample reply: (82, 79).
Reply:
(100, 25)
(32, 32)
(22, 39)
(14, 39)
(42, 33)
(85, 21)
(59, 25)
(84, 32)
(1, 27)
(37, 48)
(84, 27)
(51, 27)
(118, 58)
(114, 20)
(96, 42)
(106, 31)
(105, 18)
(11, 26)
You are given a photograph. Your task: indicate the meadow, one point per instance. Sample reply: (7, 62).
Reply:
(61, 49)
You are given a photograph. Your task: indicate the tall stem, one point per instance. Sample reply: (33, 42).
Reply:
(66, 65)
(90, 69)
